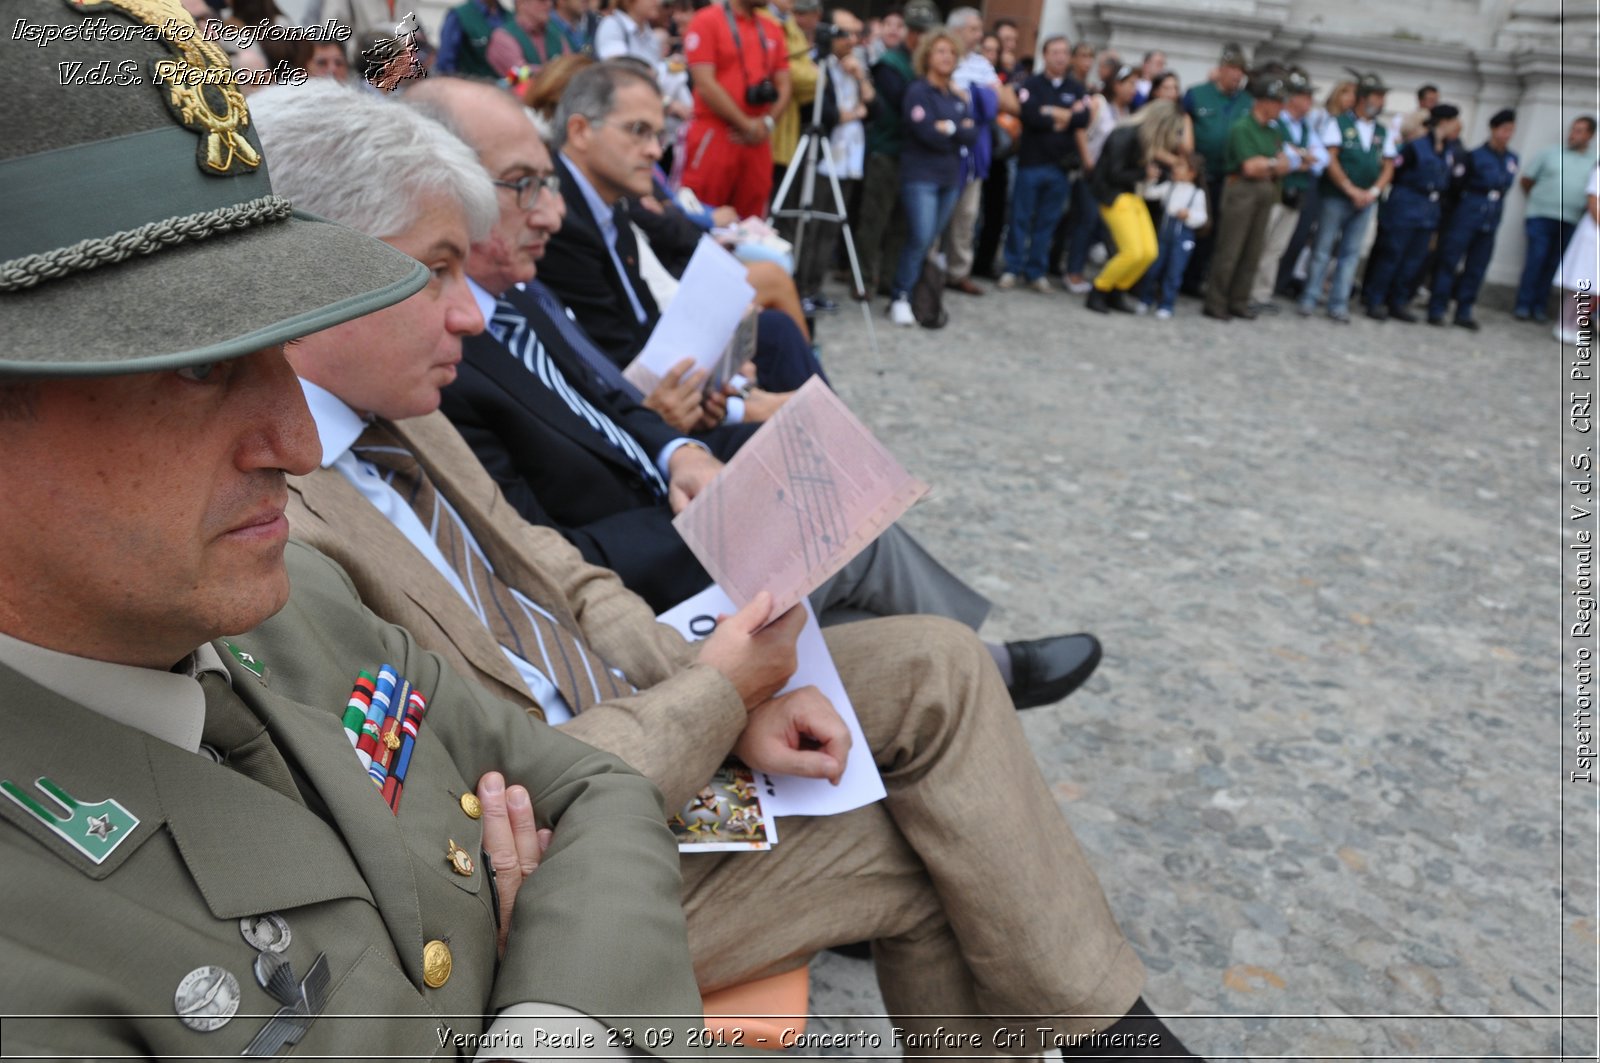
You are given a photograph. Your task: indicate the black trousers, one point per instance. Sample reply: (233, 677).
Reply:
(996, 193)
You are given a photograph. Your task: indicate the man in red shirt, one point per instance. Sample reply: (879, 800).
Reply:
(739, 68)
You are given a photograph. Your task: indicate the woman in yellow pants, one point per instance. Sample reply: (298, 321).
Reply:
(1136, 147)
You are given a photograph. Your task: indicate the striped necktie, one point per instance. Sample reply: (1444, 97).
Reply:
(579, 341)
(510, 327)
(517, 623)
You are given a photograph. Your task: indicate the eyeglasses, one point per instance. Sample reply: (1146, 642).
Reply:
(528, 188)
(642, 132)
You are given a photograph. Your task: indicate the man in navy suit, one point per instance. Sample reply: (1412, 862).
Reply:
(572, 450)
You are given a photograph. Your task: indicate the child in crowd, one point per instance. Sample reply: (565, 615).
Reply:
(1183, 204)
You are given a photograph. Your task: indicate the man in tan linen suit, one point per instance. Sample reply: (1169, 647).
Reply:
(966, 878)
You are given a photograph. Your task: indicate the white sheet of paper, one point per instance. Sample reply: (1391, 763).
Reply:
(699, 322)
(791, 795)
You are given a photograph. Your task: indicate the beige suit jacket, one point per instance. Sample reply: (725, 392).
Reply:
(675, 730)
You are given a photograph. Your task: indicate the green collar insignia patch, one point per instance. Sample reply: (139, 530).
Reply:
(95, 830)
(255, 667)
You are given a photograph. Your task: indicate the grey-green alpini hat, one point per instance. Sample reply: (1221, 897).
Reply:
(138, 229)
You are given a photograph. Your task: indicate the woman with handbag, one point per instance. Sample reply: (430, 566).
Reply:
(940, 132)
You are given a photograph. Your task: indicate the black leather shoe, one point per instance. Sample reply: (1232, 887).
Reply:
(1378, 312)
(1217, 315)
(1435, 320)
(1096, 301)
(1468, 323)
(1118, 301)
(1044, 671)
(1138, 1034)
(1400, 313)
(856, 950)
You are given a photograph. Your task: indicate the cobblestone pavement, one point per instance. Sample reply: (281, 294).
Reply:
(1320, 768)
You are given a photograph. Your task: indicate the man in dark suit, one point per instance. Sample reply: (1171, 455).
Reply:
(574, 454)
(594, 260)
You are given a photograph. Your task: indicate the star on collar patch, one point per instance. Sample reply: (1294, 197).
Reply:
(96, 836)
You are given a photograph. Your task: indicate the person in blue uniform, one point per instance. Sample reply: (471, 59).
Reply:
(1489, 172)
(1410, 215)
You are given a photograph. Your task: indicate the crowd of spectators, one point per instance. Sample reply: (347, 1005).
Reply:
(958, 158)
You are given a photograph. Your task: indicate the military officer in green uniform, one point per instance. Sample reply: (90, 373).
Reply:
(1214, 106)
(481, 39)
(1255, 162)
(1361, 155)
(195, 860)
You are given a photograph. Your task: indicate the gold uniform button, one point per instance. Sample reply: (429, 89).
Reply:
(436, 964)
(471, 806)
(460, 860)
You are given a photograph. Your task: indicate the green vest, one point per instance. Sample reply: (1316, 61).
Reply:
(1214, 114)
(886, 132)
(473, 60)
(1361, 165)
(1300, 178)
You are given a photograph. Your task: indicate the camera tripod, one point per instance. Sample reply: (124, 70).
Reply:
(804, 165)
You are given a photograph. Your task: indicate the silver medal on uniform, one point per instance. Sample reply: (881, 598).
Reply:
(266, 933)
(206, 998)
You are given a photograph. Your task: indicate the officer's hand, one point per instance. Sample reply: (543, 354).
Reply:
(796, 734)
(756, 660)
(713, 409)
(511, 839)
(677, 397)
(689, 470)
(760, 405)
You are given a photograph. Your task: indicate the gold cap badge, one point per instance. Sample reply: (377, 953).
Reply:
(198, 85)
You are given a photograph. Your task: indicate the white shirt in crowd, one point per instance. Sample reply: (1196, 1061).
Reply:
(1180, 195)
(974, 69)
(620, 35)
(848, 140)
